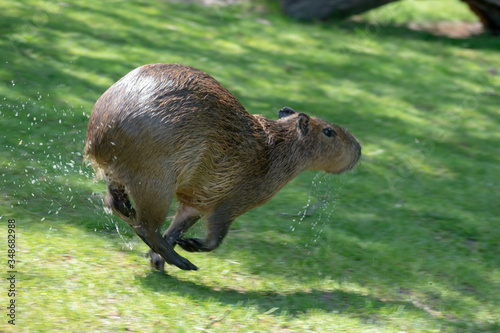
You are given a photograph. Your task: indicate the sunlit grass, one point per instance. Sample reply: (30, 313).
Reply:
(421, 11)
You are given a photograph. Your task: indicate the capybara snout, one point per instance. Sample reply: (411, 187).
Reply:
(165, 131)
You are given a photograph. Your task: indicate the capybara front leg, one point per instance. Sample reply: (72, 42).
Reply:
(218, 226)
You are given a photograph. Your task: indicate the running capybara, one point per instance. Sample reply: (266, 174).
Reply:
(166, 130)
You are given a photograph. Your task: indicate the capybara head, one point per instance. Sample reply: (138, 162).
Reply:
(326, 146)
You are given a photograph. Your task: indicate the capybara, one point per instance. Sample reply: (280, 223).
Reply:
(167, 130)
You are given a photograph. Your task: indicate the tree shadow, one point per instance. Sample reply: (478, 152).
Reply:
(293, 303)
(483, 41)
(362, 306)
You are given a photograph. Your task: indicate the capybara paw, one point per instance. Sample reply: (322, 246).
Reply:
(187, 265)
(190, 244)
(156, 261)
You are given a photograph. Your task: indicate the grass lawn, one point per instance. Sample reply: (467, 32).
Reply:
(407, 242)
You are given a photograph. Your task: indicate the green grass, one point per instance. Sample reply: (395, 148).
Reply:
(408, 242)
(402, 12)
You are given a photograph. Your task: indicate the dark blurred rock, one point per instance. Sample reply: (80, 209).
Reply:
(488, 12)
(324, 9)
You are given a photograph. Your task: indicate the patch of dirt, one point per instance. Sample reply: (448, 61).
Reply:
(449, 29)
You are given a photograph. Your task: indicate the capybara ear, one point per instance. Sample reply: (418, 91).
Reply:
(285, 112)
(303, 123)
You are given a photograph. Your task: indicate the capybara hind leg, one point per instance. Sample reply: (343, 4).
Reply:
(218, 226)
(160, 247)
(118, 200)
(185, 218)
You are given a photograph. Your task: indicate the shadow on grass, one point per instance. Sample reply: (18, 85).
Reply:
(364, 307)
(293, 303)
(479, 42)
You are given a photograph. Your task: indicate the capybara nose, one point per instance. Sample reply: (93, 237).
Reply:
(357, 147)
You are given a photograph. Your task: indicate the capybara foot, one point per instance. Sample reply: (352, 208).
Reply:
(160, 247)
(191, 244)
(156, 261)
(185, 264)
(179, 261)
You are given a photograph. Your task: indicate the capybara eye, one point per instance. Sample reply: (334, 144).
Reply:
(329, 132)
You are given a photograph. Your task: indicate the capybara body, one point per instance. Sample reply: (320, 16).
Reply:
(166, 131)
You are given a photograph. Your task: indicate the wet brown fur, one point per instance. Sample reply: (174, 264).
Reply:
(166, 131)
